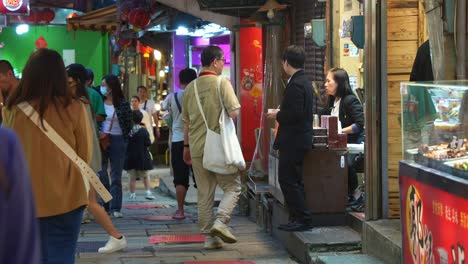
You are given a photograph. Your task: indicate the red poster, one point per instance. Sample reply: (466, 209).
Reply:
(10, 7)
(251, 76)
(434, 224)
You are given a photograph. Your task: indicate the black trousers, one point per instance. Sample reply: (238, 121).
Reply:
(292, 184)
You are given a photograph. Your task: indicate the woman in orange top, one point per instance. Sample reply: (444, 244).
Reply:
(58, 186)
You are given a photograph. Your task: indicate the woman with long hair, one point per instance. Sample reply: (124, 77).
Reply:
(77, 82)
(345, 105)
(117, 125)
(58, 185)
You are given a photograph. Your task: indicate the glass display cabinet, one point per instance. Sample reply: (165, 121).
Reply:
(434, 125)
(433, 177)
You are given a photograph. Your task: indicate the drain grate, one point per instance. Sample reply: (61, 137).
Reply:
(89, 246)
(158, 217)
(145, 206)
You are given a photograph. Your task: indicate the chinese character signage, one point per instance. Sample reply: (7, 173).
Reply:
(14, 7)
(434, 223)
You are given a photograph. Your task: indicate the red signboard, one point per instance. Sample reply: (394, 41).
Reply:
(251, 75)
(14, 7)
(41, 43)
(434, 224)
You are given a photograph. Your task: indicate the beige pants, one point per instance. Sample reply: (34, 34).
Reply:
(137, 173)
(206, 186)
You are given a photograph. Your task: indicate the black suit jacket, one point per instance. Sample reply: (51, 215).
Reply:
(296, 115)
(351, 112)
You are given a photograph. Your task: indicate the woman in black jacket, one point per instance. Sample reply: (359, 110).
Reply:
(344, 104)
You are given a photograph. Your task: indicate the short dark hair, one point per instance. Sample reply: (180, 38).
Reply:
(5, 66)
(209, 54)
(294, 56)
(136, 97)
(341, 78)
(89, 74)
(137, 116)
(78, 73)
(141, 87)
(187, 75)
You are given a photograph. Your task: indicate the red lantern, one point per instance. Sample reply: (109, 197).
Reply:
(139, 18)
(34, 17)
(123, 42)
(48, 15)
(125, 8)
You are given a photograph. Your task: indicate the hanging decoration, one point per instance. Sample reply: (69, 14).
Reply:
(139, 18)
(47, 15)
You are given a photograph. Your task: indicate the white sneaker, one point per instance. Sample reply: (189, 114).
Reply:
(212, 242)
(222, 231)
(117, 214)
(113, 245)
(132, 197)
(149, 195)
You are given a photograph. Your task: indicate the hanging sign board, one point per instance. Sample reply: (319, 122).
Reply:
(14, 7)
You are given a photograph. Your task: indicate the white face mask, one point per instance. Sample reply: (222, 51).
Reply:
(104, 90)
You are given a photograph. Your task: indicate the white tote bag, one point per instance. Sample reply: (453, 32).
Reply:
(214, 157)
(232, 149)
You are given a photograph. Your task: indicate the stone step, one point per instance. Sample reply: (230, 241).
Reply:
(345, 259)
(382, 239)
(333, 238)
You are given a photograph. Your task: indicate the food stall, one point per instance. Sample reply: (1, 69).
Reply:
(433, 176)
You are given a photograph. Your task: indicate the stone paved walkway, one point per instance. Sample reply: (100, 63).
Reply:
(254, 245)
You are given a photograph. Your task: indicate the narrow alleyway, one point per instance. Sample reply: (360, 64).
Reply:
(254, 246)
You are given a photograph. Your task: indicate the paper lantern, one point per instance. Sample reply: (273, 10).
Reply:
(139, 18)
(123, 42)
(47, 15)
(125, 9)
(34, 17)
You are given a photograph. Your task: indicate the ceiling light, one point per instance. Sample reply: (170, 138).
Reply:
(181, 31)
(21, 29)
(157, 55)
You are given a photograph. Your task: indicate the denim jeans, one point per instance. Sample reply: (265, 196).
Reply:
(59, 234)
(116, 154)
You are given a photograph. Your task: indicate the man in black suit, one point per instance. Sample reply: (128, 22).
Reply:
(294, 137)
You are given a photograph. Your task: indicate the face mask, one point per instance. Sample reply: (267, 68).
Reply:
(103, 90)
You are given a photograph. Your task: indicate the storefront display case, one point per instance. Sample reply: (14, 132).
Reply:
(433, 177)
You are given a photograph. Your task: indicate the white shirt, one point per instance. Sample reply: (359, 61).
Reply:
(116, 130)
(336, 112)
(178, 123)
(147, 121)
(150, 108)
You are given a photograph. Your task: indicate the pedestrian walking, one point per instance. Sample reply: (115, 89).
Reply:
(58, 185)
(138, 159)
(210, 88)
(114, 137)
(76, 81)
(19, 229)
(173, 103)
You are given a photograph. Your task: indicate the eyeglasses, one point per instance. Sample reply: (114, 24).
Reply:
(222, 59)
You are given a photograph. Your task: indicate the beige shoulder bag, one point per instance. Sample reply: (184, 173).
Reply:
(88, 174)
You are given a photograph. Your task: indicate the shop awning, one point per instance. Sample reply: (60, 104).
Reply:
(104, 19)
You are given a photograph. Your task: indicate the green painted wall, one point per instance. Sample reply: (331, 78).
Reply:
(91, 48)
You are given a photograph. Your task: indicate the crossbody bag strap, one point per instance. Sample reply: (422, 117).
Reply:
(87, 173)
(112, 120)
(199, 104)
(219, 95)
(178, 103)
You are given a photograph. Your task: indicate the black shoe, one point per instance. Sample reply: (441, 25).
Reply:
(283, 226)
(357, 201)
(297, 227)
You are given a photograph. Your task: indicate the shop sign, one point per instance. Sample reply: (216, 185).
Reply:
(41, 43)
(434, 224)
(14, 7)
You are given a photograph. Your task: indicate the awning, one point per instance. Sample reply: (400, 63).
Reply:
(104, 19)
